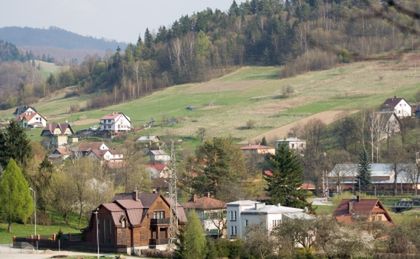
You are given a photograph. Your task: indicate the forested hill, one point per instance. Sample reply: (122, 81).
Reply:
(57, 43)
(9, 52)
(301, 34)
(55, 37)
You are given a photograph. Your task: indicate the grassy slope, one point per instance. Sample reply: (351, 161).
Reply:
(224, 105)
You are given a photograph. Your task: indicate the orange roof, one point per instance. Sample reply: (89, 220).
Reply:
(348, 208)
(205, 203)
(255, 147)
(307, 186)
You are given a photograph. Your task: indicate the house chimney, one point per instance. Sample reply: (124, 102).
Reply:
(357, 198)
(208, 194)
(194, 198)
(136, 195)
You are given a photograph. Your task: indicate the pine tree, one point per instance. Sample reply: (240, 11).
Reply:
(363, 177)
(14, 144)
(284, 185)
(15, 198)
(192, 242)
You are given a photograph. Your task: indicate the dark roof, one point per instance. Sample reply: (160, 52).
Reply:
(147, 199)
(130, 204)
(205, 203)
(391, 102)
(20, 109)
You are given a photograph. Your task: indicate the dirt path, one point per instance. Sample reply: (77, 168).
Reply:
(326, 117)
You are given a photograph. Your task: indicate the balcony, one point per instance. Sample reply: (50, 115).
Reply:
(155, 222)
(160, 241)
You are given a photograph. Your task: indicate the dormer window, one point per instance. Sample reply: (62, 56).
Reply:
(123, 221)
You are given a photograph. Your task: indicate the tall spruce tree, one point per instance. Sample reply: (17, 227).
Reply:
(192, 242)
(15, 197)
(363, 177)
(283, 186)
(14, 144)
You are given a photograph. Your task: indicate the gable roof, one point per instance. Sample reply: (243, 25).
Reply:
(52, 126)
(205, 203)
(87, 146)
(22, 108)
(392, 102)
(349, 208)
(114, 116)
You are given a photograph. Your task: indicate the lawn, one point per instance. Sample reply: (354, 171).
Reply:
(223, 106)
(26, 230)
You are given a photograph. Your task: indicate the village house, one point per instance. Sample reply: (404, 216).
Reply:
(399, 106)
(358, 209)
(257, 150)
(100, 151)
(212, 214)
(158, 170)
(60, 153)
(293, 143)
(244, 213)
(133, 221)
(149, 141)
(159, 156)
(115, 122)
(59, 134)
(343, 177)
(387, 124)
(28, 117)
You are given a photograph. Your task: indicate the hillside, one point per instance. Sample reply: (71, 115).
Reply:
(57, 42)
(223, 106)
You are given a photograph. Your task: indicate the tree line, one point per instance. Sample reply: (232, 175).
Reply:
(303, 35)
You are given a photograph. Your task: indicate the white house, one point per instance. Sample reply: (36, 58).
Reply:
(293, 143)
(159, 156)
(100, 151)
(148, 139)
(243, 214)
(115, 122)
(399, 106)
(28, 117)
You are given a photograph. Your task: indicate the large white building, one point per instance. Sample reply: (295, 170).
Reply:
(115, 122)
(399, 106)
(245, 213)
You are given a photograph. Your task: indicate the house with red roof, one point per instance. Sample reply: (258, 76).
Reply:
(28, 117)
(212, 214)
(133, 221)
(59, 134)
(100, 151)
(115, 122)
(257, 150)
(368, 210)
(398, 105)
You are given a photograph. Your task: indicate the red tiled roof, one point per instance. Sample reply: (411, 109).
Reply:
(268, 173)
(112, 207)
(26, 116)
(307, 186)
(205, 203)
(361, 207)
(157, 166)
(254, 147)
(62, 126)
(130, 204)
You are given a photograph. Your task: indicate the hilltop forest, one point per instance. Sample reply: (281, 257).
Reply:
(302, 35)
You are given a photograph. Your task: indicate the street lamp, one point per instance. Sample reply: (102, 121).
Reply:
(97, 230)
(30, 188)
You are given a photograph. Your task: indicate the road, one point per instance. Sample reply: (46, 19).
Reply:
(6, 252)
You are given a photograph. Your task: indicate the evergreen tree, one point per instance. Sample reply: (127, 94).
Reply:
(220, 167)
(264, 141)
(14, 144)
(284, 185)
(363, 177)
(15, 197)
(192, 242)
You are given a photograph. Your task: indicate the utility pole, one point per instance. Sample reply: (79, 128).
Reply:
(173, 227)
(97, 232)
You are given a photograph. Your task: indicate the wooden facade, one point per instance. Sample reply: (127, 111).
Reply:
(132, 223)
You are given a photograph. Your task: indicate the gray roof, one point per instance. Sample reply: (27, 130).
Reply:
(380, 173)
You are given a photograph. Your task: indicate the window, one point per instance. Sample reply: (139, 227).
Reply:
(158, 214)
(276, 222)
(246, 223)
(232, 215)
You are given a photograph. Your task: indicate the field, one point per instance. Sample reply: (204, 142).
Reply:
(254, 95)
